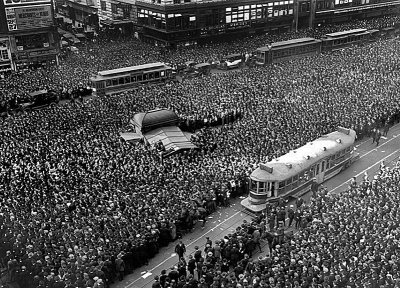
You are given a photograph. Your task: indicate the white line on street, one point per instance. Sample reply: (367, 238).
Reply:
(191, 243)
(373, 150)
(366, 169)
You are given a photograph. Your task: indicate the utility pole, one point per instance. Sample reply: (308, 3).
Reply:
(296, 6)
(313, 6)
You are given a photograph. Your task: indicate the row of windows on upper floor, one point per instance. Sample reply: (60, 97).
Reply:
(321, 4)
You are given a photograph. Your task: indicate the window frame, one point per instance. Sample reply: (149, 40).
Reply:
(103, 5)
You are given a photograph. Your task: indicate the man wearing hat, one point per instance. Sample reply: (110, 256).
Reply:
(208, 241)
(156, 283)
(174, 274)
(120, 267)
(210, 257)
(191, 264)
(291, 214)
(180, 249)
(314, 187)
(299, 202)
(197, 254)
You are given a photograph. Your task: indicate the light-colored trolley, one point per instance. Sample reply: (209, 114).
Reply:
(293, 173)
(123, 79)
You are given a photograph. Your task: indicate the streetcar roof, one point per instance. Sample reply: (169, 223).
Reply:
(289, 43)
(344, 33)
(131, 69)
(293, 41)
(38, 92)
(298, 160)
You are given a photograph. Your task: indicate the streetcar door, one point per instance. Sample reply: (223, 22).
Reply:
(320, 171)
(100, 88)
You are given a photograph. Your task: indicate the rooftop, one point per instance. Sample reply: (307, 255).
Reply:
(297, 160)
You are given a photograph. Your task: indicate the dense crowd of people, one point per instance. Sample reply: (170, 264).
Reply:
(80, 207)
(76, 68)
(349, 239)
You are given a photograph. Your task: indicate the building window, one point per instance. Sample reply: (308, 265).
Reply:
(103, 5)
(114, 9)
(34, 41)
(126, 10)
(4, 55)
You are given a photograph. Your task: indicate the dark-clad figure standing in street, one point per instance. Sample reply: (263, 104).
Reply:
(180, 249)
(120, 267)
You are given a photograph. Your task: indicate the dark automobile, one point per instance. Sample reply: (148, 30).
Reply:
(39, 99)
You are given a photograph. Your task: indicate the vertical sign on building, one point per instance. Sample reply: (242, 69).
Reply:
(11, 21)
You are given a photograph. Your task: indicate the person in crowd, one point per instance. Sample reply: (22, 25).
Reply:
(377, 136)
(191, 265)
(197, 254)
(291, 213)
(120, 267)
(180, 249)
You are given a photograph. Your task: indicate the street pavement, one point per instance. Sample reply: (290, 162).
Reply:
(226, 220)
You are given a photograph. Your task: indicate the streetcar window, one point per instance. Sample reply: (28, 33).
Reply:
(253, 185)
(312, 172)
(128, 79)
(121, 81)
(162, 73)
(272, 188)
(317, 171)
(115, 82)
(133, 79)
(145, 77)
(139, 78)
(288, 181)
(301, 177)
(108, 83)
(295, 178)
(323, 166)
(157, 74)
(151, 76)
(281, 184)
(262, 187)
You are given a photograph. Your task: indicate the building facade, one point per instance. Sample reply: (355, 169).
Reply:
(181, 22)
(79, 13)
(91, 15)
(184, 22)
(28, 34)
